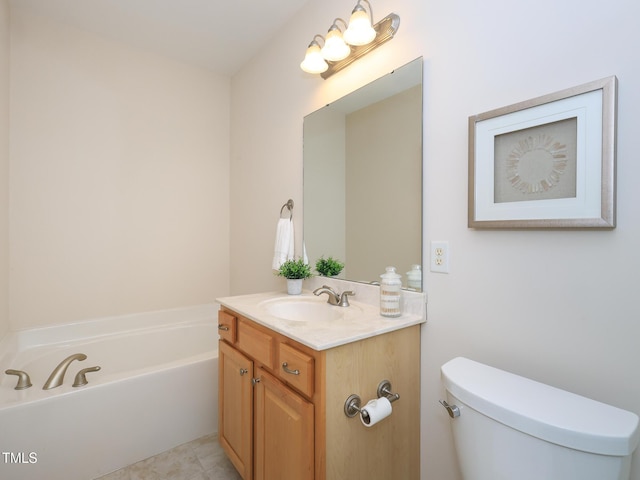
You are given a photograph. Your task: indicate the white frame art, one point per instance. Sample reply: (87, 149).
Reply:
(548, 162)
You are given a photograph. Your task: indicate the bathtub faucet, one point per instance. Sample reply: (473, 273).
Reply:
(57, 376)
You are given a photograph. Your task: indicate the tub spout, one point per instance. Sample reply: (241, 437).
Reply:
(57, 376)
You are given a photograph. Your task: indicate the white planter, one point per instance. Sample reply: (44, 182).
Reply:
(294, 286)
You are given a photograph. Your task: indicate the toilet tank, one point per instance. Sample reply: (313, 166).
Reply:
(511, 427)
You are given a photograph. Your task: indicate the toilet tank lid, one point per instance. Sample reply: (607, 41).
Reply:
(540, 410)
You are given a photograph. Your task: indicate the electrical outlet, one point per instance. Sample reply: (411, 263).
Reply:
(440, 257)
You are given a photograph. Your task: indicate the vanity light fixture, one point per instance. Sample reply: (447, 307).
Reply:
(341, 49)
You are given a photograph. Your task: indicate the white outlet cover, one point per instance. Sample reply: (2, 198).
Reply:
(439, 256)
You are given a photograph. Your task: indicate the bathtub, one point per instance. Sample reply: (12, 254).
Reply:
(157, 388)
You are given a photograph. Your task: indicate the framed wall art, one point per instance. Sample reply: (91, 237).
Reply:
(548, 162)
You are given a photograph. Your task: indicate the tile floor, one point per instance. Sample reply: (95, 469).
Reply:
(201, 459)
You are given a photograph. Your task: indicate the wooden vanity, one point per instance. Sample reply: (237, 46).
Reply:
(281, 403)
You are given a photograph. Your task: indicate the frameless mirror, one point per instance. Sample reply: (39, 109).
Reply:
(363, 178)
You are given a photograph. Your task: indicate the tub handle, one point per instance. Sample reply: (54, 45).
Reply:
(81, 376)
(223, 327)
(23, 378)
(285, 367)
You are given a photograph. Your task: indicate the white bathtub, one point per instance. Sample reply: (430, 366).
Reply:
(157, 388)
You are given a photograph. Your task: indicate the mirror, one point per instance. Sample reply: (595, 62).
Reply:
(363, 178)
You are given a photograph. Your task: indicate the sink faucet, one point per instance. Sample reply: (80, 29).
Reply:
(57, 376)
(334, 299)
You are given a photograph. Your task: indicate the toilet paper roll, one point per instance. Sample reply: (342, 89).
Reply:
(374, 411)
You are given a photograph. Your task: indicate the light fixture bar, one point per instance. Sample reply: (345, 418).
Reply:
(385, 30)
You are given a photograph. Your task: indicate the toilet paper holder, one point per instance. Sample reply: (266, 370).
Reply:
(353, 402)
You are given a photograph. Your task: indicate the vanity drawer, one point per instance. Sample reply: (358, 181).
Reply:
(296, 368)
(227, 326)
(256, 343)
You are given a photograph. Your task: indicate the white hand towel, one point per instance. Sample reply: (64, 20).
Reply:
(284, 243)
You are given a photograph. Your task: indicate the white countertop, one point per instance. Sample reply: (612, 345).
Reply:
(349, 324)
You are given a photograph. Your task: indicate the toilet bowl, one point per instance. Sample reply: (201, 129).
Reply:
(507, 427)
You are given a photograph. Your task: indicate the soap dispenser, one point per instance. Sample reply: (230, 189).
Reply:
(390, 293)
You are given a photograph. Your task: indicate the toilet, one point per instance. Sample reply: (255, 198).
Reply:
(507, 427)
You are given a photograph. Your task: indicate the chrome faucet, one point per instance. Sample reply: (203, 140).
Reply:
(57, 376)
(334, 299)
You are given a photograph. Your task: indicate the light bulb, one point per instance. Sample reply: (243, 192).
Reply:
(313, 60)
(360, 31)
(335, 48)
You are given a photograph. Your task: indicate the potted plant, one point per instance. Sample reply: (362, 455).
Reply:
(295, 271)
(329, 267)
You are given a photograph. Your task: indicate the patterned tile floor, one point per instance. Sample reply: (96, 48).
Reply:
(201, 459)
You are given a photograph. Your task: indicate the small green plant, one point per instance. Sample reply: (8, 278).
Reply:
(329, 267)
(294, 269)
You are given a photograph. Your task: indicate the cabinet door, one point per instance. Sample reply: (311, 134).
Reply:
(284, 432)
(235, 407)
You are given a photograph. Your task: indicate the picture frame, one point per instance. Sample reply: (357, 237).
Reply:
(548, 162)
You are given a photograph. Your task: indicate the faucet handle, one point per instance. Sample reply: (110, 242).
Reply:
(23, 378)
(344, 298)
(81, 376)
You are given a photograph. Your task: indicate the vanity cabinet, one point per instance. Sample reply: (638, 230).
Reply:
(236, 407)
(283, 431)
(281, 404)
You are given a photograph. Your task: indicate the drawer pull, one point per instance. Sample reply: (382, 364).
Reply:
(223, 327)
(243, 371)
(287, 370)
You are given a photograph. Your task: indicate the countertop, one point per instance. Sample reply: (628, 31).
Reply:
(359, 321)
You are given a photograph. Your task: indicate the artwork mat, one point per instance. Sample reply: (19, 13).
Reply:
(594, 106)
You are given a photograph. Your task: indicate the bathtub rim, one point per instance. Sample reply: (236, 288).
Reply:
(15, 340)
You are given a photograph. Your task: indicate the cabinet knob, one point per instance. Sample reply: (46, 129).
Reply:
(243, 371)
(255, 381)
(288, 370)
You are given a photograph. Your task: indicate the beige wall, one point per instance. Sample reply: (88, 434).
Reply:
(4, 167)
(384, 148)
(557, 306)
(324, 185)
(119, 178)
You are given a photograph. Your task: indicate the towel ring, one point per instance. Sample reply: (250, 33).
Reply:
(288, 205)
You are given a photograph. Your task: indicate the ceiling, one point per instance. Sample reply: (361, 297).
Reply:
(219, 35)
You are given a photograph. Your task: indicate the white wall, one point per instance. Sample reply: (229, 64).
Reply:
(556, 306)
(119, 178)
(4, 167)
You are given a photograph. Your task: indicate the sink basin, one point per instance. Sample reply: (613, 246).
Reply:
(305, 309)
